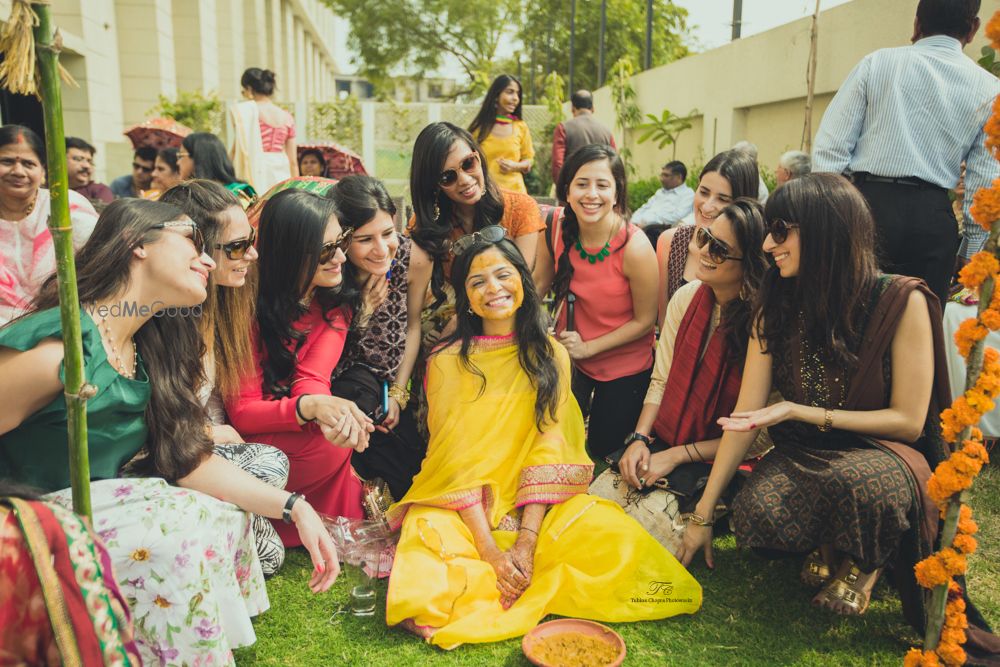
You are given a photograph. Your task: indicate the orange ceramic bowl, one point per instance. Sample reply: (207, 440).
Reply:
(561, 625)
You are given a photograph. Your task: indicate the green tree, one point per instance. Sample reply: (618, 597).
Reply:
(415, 37)
(544, 31)
(627, 113)
(200, 112)
(665, 129)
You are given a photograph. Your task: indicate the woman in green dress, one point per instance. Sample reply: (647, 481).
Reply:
(178, 532)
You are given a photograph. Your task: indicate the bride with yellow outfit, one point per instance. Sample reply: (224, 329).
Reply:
(497, 529)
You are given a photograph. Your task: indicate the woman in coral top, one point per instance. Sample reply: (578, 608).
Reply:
(603, 271)
(300, 331)
(503, 136)
(264, 152)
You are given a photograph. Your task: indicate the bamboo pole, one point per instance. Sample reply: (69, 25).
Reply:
(48, 44)
(974, 366)
(806, 143)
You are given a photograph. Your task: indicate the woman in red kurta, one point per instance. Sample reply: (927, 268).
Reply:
(301, 327)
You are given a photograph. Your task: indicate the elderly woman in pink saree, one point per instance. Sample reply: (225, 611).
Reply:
(27, 257)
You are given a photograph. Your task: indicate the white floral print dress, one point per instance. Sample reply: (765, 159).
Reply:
(187, 565)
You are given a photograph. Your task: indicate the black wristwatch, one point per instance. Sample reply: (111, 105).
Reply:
(286, 514)
(635, 435)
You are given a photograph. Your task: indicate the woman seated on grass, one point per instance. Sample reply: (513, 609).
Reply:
(297, 337)
(497, 529)
(855, 354)
(223, 324)
(185, 560)
(384, 340)
(699, 357)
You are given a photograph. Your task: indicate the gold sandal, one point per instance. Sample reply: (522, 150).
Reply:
(844, 589)
(815, 571)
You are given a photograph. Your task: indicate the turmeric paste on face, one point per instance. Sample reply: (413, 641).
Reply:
(574, 649)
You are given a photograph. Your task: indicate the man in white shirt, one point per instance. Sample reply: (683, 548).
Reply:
(671, 202)
(901, 126)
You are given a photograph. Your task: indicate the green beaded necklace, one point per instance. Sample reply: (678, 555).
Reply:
(597, 257)
(600, 254)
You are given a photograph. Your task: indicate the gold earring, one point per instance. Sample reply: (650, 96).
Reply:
(437, 211)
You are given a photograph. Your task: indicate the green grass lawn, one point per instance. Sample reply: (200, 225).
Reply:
(756, 612)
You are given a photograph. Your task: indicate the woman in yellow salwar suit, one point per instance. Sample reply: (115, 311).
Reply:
(497, 530)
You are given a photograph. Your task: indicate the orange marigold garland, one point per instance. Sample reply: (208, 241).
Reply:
(952, 477)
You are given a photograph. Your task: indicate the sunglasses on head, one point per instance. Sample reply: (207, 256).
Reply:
(778, 229)
(449, 177)
(238, 249)
(491, 234)
(330, 249)
(143, 168)
(718, 250)
(196, 238)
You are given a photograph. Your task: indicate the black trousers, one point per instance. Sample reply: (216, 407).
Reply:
(613, 407)
(395, 456)
(917, 232)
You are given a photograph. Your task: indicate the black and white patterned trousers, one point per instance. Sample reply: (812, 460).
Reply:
(270, 465)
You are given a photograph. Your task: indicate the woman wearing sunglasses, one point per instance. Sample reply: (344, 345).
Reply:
(699, 356)
(854, 354)
(225, 319)
(297, 338)
(727, 176)
(603, 274)
(454, 195)
(184, 560)
(497, 530)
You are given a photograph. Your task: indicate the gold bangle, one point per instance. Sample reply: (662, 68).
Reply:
(827, 421)
(699, 520)
(399, 394)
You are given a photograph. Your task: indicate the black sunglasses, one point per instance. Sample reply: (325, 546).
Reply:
(143, 168)
(330, 249)
(778, 229)
(238, 249)
(491, 234)
(449, 177)
(717, 250)
(196, 237)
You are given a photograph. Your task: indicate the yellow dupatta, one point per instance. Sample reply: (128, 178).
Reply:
(485, 446)
(591, 559)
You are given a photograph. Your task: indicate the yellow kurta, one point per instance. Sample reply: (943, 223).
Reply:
(516, 147)
(591, 560)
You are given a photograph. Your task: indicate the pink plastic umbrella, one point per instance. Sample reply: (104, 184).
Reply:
(340, 160)
(158, 132)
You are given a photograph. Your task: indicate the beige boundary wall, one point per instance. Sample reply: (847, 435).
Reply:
(755, 88)
(125, 53)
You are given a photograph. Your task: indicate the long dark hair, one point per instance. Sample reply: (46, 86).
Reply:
(570, 225)
(482, 124)
(210, 158)
(292, 225)
(227, 313)
(739, 169)
(171, 347)
(433, 211)
(746, 218)
(16, 134)
(534, 348)
(837, 268)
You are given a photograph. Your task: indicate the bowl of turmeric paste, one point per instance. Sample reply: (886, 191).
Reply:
(573, 642)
